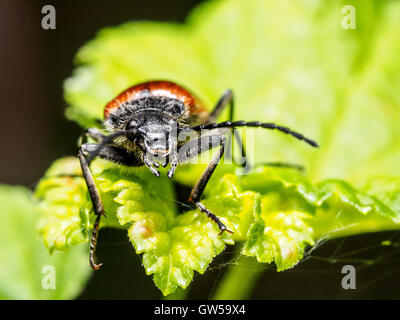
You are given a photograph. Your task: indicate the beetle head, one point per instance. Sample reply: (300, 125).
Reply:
(150, 123)
(155, 131)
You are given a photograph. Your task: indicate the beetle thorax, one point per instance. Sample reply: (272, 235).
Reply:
(143, 109)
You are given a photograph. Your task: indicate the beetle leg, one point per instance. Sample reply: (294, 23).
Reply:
(111, 153)
(193, 148)
(225, 100)
(93, 133)
(97, 206)
(228, 99)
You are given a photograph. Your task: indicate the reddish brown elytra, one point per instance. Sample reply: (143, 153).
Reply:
(159, 89)
(144, 124)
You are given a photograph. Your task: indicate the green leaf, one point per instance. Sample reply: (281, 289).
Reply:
(65, 205)
(287, 62)
(25, 262)
(296, 214)
(276, 213)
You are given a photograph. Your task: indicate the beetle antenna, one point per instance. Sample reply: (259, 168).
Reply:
(255, 124)
(105, 141)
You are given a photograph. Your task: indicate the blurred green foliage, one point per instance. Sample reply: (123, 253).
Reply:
(23, 257)
(288, 62)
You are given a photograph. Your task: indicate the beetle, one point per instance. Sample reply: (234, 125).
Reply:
(144, 123)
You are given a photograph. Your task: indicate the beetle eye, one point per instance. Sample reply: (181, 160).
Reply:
(132, 125)
(176, 109)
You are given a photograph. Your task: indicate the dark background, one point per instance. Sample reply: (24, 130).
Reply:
(34, 133)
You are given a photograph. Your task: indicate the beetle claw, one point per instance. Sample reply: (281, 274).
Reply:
(222, 231)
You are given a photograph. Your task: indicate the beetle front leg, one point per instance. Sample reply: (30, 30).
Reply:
(93, 133)
(198, 189)
(97, 206)
(111, 153)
